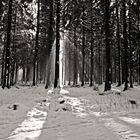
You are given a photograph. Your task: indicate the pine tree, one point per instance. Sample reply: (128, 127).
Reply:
(118, 43)
(13, 48)
(91, 44)
(107, 43)
(58, 10)
(50, 38)
(3, 61)
(125, 43)
(6, 77)
(35, 69)
(130, 49)
(83, 47)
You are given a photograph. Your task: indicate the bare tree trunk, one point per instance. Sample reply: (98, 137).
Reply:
(16, 74)
(50, 40)
(48, 72)
(139, 63)
(75, 57)
(99, 72)
(107, 42)
(69, 65)
(36, 47)
(3, 61)
(91, 46)
(57, 43)
(125, 44)
(7, 58)
(83, 50)
(130, 50)
(13, 51)
(118, 44)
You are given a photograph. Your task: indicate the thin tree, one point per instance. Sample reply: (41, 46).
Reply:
(91, 44)
(99, 76)
(0, 9)
(107, 44)
(118, 43)
(125, 43)
(75, 55)
(83, 48)
(13, 50)
(6, 77)
(36, 47)
(139, 46)
(50, 39)
(3, 61)
(58, 3)
(130, 48)
(75, 24)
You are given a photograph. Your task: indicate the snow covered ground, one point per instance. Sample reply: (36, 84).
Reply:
(30, 113)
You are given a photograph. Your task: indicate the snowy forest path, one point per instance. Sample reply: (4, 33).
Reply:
(83, 114)
(73, 123)
(89, 119)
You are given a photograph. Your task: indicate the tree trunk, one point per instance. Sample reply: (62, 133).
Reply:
(16, 73)
(118, 44)
(139, 64)
(107, 43)
(125, 44)
(91, 46)
(0, 9)
(69, 65)
(24, 75)
(57, 43)
(36, 47)
(83, 52)
(99, 72)
(7, 58)
(50, 40)
(3, 62)
(75, 57)
(130, 49)
(13, 51)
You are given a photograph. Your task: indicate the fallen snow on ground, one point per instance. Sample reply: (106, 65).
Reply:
(64, 92)
(31, 127)
(131, 120)
(82, 114)
(122, 130)
(25, 98)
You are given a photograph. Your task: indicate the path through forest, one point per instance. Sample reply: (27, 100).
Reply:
(84, 115)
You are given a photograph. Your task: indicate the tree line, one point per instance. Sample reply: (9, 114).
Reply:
(103, 35)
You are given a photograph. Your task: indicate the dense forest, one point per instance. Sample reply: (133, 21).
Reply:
(103, 41)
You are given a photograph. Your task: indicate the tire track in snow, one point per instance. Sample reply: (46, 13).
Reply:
(121, 130)
(31, 127)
